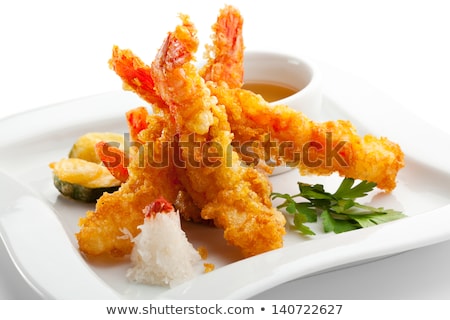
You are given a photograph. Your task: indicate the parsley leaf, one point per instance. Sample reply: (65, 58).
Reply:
(331, 224)
(339, 212)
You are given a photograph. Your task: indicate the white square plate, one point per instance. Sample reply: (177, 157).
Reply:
(38, 225)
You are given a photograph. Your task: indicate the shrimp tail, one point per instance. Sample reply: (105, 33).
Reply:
(225, 59)
(135, 74)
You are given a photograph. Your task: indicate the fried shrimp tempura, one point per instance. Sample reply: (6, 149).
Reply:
(201, 114)
(236, 197)
(315, 148)
(117, 215)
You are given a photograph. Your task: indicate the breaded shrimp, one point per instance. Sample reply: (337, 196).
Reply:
(315, 148)
(225, 58)
(107, 230)
(140, 81)
(200, 120)
(168, 59)
(236, 197)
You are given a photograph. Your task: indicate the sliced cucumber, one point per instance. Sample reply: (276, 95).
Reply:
(82, 180)
(84, 147)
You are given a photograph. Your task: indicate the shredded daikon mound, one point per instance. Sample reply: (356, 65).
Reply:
(162, 254)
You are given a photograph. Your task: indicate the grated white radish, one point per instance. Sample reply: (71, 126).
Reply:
(162, 254)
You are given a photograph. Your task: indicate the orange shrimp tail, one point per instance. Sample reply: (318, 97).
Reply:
(137, 121)
(135, 74)
(226, 56)
(114, 160)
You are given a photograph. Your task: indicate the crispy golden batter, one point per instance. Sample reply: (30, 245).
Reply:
(315, 148)
(116, 215)
(236, 197)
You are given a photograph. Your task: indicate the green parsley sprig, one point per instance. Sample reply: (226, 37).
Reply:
(339, 211)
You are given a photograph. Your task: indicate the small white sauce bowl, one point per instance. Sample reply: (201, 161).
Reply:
(289, 71)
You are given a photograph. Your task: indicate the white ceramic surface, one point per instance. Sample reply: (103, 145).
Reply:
(48, 258)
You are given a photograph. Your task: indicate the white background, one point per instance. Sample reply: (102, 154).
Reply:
(51, 51)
